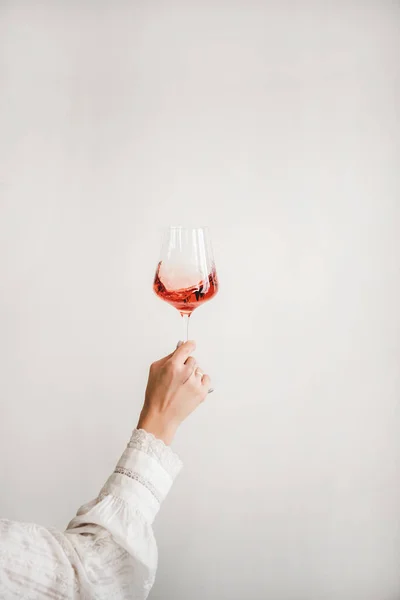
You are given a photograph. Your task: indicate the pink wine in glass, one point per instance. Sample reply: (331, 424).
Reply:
(186, 275)
(186, 299)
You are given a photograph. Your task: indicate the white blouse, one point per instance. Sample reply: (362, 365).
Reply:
(108, 551)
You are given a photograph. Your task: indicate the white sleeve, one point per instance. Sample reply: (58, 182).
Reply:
(108, 551)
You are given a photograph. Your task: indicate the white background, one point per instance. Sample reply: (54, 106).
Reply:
(276, 124)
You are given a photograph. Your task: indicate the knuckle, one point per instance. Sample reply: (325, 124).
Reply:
(194, 386)
(173, 366)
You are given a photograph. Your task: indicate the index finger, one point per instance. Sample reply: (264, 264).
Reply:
(184, 351)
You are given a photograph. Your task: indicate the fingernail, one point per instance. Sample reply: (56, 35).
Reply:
(210, 391)
(179, 343)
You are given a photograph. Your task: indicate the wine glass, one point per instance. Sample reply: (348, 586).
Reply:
(186, 275)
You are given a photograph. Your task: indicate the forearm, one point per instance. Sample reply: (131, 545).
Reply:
(125, 510)
(156, 424)
(108, 550)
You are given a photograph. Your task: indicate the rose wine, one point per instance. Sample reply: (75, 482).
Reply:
(188, 298)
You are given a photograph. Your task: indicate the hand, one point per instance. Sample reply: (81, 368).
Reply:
(175, 388)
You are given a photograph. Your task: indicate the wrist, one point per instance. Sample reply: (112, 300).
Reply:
(159, 427)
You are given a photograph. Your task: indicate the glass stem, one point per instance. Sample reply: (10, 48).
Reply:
(185, 318)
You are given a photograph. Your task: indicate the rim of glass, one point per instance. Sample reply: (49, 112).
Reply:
(186, 227)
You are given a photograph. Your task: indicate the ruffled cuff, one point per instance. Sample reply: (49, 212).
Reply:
(144, 474)
(149, 444)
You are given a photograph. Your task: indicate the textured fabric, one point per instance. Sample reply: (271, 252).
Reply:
(108, 551)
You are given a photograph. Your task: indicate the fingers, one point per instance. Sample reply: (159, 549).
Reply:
(199, 373)
(202, 380)
(181, 358)
(184, 351)
(206, 383)
(163, 360)
(190, 364)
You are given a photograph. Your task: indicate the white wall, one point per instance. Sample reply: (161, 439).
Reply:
(276, 124)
